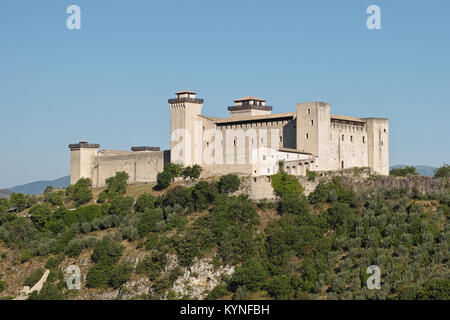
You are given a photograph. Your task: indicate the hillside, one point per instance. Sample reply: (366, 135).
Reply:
(201, 240)
(38, 187)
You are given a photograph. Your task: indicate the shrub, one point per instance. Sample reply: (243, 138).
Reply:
(285, 184)
(402, 172)
(229, 183)
(121, 205)
(293, 204)
(107, 251)
(218, 292)
(443, 171)
(98, 276)
(438, 289)
(251, 274)
(280, 287)
(118, 183)
(163, 180)
(54, 198)
(144, 202)
(320, 193)
(49, 291)
(204, 194)
(53, 262)
(152, 265)
(181, 196)
(18, 200)
(192, 172)
(120, 274)
(26, 256)
(34, 277)
(311, 175)
(81, 192)
(3, 285)
(148, 222)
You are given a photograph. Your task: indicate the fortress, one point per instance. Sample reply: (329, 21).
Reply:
(250, 142)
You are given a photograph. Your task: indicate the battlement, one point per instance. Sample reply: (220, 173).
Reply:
(83, 144)
(145, 148)
(185, 96)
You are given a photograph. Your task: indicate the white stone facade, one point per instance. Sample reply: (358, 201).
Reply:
(250, 142)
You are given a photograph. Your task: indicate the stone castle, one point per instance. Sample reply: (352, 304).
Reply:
(251, 142)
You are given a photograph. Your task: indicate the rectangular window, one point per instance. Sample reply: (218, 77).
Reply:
(364, 139)
(307, 136)
(342, 137)
(312, 122)
(351, 138)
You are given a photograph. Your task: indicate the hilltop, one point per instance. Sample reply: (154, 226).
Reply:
(205, 239)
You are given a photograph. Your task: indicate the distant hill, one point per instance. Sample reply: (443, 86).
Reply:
(422, 170)
(38, 187)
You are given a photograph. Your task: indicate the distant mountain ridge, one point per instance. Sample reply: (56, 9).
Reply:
(422, 170)
(38, 187)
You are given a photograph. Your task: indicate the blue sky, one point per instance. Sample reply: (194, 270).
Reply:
(109, 82)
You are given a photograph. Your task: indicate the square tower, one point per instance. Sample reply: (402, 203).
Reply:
(249, 106)
(313, 131)
(82, 157)
(185, 127)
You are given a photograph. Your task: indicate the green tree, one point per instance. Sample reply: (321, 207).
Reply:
(285, 184)
(402, 172)
(174, 169)
(121, 205)
(192, 172)
(82, 192)
(163, 180)
(229, 183)
(117, 185)
(107, 251)
(204, 194)
(443, 171)
(251, 274)
(18, 200)
(144, 201)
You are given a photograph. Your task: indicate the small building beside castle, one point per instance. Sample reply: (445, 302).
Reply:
(250, 142)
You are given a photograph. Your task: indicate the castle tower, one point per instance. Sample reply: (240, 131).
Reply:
(82, 156)
(313, 131)
(185, 128)
(378, 144)
(249, 106)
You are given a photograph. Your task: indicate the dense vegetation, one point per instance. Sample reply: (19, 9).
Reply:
(402, 172)
(315, 247)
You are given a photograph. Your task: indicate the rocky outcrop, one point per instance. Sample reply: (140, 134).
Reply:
(200, 278)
